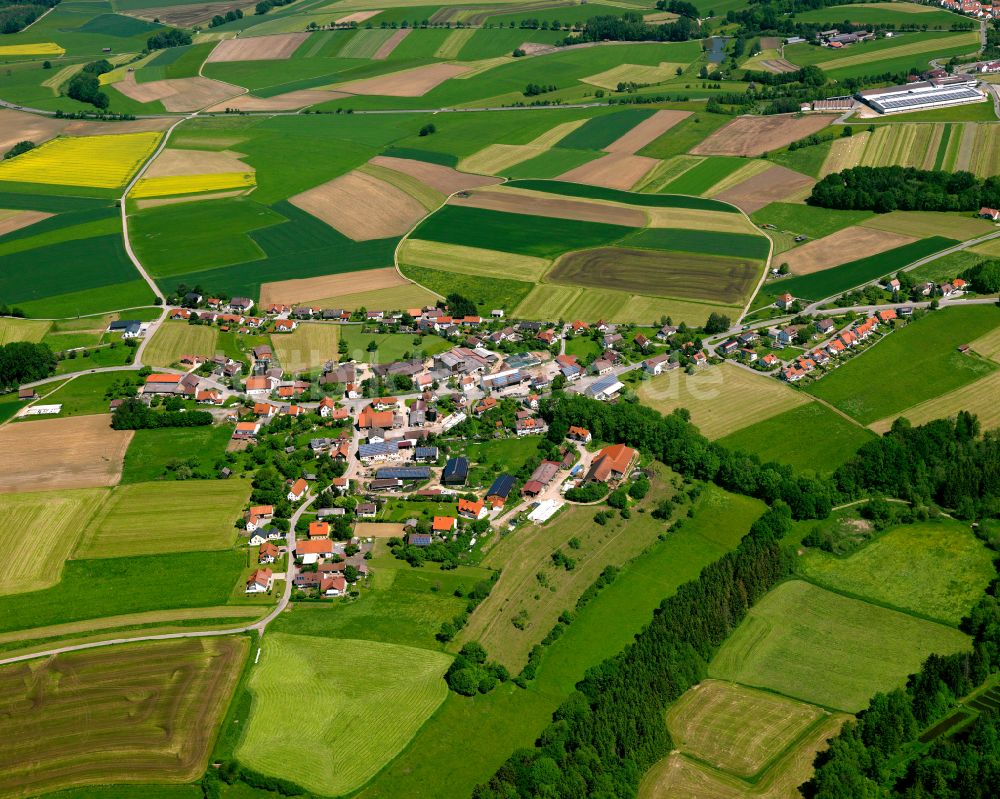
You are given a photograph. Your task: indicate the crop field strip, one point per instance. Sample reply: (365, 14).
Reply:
(629, 198)
(402, 687)
(173, 340)
(121, 527)
(310, 345)
(496, 159)
(91, 161)
(471, 260)
(173, 185)
(149, 709)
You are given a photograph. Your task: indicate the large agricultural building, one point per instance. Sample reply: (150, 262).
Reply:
(921, 95)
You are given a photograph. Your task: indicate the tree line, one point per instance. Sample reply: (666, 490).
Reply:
(134, 414)
(630, 27)
(610, 731)
(24, 362)
(85, 85)
(16, 15)
(890, 188)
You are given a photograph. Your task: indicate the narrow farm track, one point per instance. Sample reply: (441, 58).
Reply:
(260, 626)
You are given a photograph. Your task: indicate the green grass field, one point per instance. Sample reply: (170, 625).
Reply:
(734, 245)
(154, 706)
(173, 340)
(935, 569)
(39, 531)
(820, 647)
(22, 330)
(367, 700)
(599, 132)
(809, 438)
(701, 177)
(85, 394)
(627, 197)
(911, 365)
(197, 515)
(153, 452)
(488, 293)
(390, 346)
(808, 220)
(882, 14)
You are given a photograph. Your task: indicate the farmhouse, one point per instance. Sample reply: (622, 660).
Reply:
(245, 430)
(163, 384)
(500, 490)
(444, 524)
(311, 551)
(260, 581)
(298, 490)
(382, 450)
(580, 434)
(611, 463)
(540, 478)
(468, 509)
(658, 363)
(605, 388)
(268, 553)
(456, 471)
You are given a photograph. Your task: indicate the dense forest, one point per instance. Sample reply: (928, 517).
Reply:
(891, 188)
(630, 27)
(22, 362)
(611, 730)
(16, 15)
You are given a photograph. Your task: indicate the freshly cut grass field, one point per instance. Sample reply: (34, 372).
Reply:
(154, 518)
(911, 365)
(918, 223)
(737, 729)
(979, 397)
(988, 345)
(171, 185)
(633, 73)
(154, 707)
(936, 569)
(33, 330)
(93, 161)
(693, 221)
(809, 437)
(173, 340)
(811, 644)
(721, 399)
(398, 298)
(471, 260)
(366, 700)
(308, 346)
(810, 220)
(39, 531)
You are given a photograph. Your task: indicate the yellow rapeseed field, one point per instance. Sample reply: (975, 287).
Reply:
(38, 48)
(104, 162)
(169, 185)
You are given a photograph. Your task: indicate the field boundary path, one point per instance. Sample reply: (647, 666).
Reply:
(260, 626)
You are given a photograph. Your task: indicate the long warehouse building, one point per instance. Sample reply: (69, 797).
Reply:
(922, 95)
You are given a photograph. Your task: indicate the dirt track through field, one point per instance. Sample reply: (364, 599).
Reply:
(646, 131)
(277, 47)
(441, 178)
(329, 286)
(751, 136)
(76, 452)
(406, 83)
(613, 171)
(771, 186)
(390, 44)
(849, 244)
(196, 162)
(498, 200)
(178, 94)
(361, 207)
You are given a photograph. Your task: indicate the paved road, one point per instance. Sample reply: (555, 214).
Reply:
(259, 626)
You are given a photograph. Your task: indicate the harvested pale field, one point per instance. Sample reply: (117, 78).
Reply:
(472, 260)
(979, 398)
(121, 72)
(985, 161)
(178, 94)
(989, 345)
(431, 199)
(845, 153)
(38, 533)
(390, 44)
(557, 208)
(76, 452)
(777, 183)
(14, 329)
(172, 162)
(646, 131)
(290, 101)
(173, 340)
(496, 158)
(18, 126)
(399, 298)
(924, 223)
(484, 65)
(406, 83)
(613, 171)
(721, 399)
(748, 170)
(534, 48)
(188, 15)
(378, 530)
(15, 220)
(778, 66)
(139, 713)
(358, 16)
(770, 42)
(441, 178)
(677, 777)
(634, 73)
(659, 17)
(361, 207)
(693, 219)
(309, 346)
(737, 729)
(751, 136)
(60, 77)
(277, 47)
(849, 244)
(966, 148)
(304, 290)
(217, 195)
